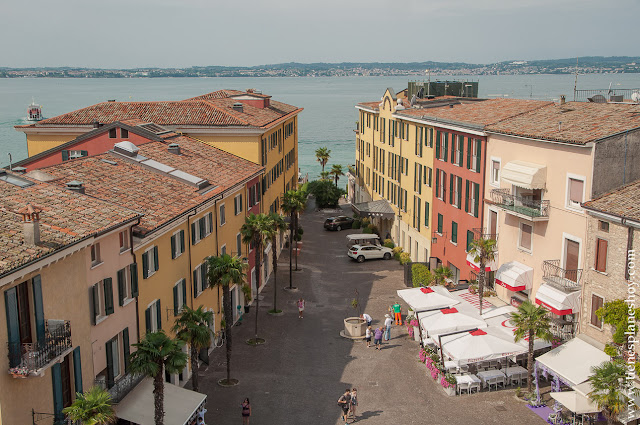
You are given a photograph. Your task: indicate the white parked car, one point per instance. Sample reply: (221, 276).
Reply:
(369, 252)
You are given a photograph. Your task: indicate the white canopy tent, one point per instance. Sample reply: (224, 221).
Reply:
(445, 320)
(573, 360)
(575, 402)
(477, 346)
(502, 327)
(428, 298)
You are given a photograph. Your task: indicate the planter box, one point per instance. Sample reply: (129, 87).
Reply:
(450, 391)
(416, 333)
(355, 326)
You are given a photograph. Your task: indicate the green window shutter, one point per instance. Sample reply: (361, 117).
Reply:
(438, 144)
(418, 220)
(181, 241)
(469, 239)
(479, 153)
(77, 369)
(176, 307)
(446, 146)
(193, 233)
(451, 197)
(476, 191)
(426, 214)
(466, 197)
(84, 153)
(122, 281)
(183, 284)
(458, 201)
(159, 315)
(145, 265)
(461, 160)
(108, 296)
(195, 283)
(453, 148)
(133, 267)
(431, 137)
(38, 310)
(13, 326)
(110, 375)
(415, 175)
(56, 380)
(454, 232)
(126, 349)
(430, 175)
(155, 258)
(203, 275)
(439, 223)
(469, 141)
(147, 319)
(173, 247)
(437, 183)
(240, 203)
(95, 307)
(211, 219)
(444, 187)
(202, 227)
(65, 155)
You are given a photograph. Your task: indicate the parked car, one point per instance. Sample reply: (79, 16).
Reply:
(338, 223)
(369, 252)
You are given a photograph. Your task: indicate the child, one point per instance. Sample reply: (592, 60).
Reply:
(368, 336)
(354, 403)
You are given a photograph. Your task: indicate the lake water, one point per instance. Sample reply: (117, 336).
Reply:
(328, 119)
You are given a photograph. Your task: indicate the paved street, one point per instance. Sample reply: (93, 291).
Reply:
(298, 375)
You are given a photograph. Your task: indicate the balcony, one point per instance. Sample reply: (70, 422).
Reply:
(530, 209)
(566, 280)
(483, 233)
(32, 358)
(121, 387)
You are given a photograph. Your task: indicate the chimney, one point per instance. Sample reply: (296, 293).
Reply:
(563, 99)
(238, 107)
(559, 125)
(174, 148)
(96, 124)
(76, 186)
(31, 224)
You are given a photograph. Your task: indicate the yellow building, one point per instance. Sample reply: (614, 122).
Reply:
(44, 266)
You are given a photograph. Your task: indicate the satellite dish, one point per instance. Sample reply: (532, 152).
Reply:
(635, 96)
(598, 98)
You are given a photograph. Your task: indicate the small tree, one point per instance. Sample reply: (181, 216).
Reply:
(607, 382)
(336, 172)
(192, 327)
(322, 155)
(441, 275)
(483, 251)
(293, 203)
(530, 322)
(276, 226)
(93, 407)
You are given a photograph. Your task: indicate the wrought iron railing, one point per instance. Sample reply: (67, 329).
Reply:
(29, 358)
(483, 233)
(121, 387)
(584, 95)
(562, 330)
(565, 279)
(525, 206)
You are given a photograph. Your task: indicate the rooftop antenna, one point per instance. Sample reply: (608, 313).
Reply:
(10, 161)
(428, 72)
(575, 84)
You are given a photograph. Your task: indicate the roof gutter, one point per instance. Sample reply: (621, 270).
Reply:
(475, 129)
(586, 145)
(612, 216)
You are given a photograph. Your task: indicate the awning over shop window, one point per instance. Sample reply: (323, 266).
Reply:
(515, 276)
(525, 174)
(490, 266)
(180, 405)
(379, 208)
(573, 360)
(557, 301)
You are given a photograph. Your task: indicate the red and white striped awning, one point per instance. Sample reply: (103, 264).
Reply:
(489, 266)
(515, 276)
(557, 301)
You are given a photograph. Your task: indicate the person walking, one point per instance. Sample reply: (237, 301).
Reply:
(354, 403)
(378, 337)
(300, 308)
(367, 335)
(246, 411)
(387, 325)
(366, 317)
(345, 404)
(397, 312)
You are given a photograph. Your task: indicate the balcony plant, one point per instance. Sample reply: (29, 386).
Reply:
(19, 372)
(448, 382)
(413, 327)
(246, 291)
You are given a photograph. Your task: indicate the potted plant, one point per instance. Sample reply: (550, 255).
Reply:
(246, 290)
(414, 328)
(448, 382)
(19, 372)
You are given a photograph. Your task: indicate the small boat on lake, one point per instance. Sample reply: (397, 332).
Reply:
(34, 112)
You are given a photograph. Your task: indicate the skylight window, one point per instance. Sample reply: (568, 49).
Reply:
(14, 180)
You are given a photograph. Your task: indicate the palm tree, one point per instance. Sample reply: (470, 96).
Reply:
(530, 322)
(483, 251)
(253, 232)
(441, 274)
(336, 172)
(324, 175)
(293, 202)
(276, 227)
(607, 382)
(226, 271)
(154, 354)
(93, 407)
(193, 328)
(322, 155)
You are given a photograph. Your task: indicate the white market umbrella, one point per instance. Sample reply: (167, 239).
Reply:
(449, 320)
(477, 346)
(421, 299)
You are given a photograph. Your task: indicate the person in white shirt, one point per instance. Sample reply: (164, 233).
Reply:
(366, 317)
(388, 321)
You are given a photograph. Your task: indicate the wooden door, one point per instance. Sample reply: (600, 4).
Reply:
(572, 250)
(493, 223)
(24, 313)
(65, 373)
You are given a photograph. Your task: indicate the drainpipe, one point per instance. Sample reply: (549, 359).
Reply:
(133, 255)
(215, 205)
(189, 254)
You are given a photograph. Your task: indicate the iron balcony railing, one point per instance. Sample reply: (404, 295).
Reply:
(483, 233)
(555, 275)
(121, 387)
(562, 330)
(30, 358)
(535, 209)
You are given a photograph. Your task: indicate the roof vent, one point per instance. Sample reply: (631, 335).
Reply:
(563, 99)
(96, 124)
(75, 186)
(174, 148)
(126, 148)
(238, 107)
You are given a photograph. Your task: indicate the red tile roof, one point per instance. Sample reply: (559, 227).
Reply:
(622, 202)
(574, 122)
(157, 195)
(66, 218)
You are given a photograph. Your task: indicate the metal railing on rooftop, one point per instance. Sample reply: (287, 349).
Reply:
(535, 209)
(584, 95)
(555, 275)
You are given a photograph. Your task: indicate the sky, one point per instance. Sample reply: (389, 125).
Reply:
(183, 33)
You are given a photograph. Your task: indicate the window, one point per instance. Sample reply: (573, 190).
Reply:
(470, 237)
(603, 226)
(124, 240)
(427, 175)
(601, 255)
(223, 218)
(440, 219)
(239, 244)
(472, 198)
(596, 303)
(115, 355)
(102, 298)
(454, 232)
(150, 262)
(426, 214)
(95, 255)
(201, 228)
(524, 241)
(455, 273)
(495, 172)
(153, 317)
(237, 204)
(125, 292)
(455, 188)
(223, 250)
(179, 296)
(576, 188)
(441, 184)
(72, 154)
(177, 244)
(474, 147)
(457, 143)
(112, 133)
(199, 279)
(124, 133)
(442, 145)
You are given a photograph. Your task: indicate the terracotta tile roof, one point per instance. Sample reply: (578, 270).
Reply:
(622, 202)
(157, 195)
(371, 105)
(581, 122)
(208, 110)
(482, 113)
(66, 218)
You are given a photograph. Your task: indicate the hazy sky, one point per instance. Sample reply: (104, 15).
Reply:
(182, 33)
